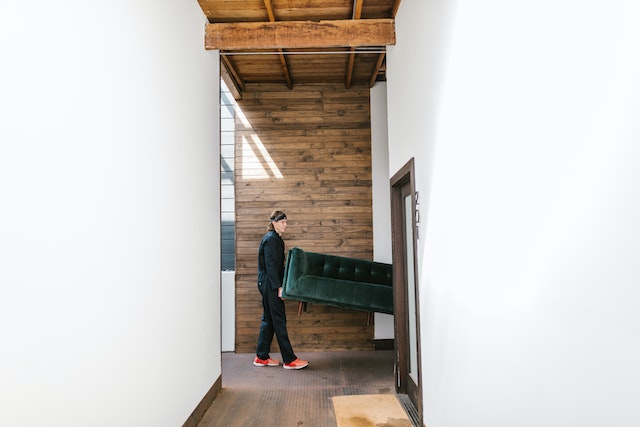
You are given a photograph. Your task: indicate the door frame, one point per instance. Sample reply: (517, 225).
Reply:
(405, 176)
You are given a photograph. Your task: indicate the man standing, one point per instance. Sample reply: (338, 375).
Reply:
(270, 276)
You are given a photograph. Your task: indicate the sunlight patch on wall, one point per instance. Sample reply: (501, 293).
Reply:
(256, 161)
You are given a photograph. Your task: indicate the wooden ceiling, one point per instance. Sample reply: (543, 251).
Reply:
(296, 42)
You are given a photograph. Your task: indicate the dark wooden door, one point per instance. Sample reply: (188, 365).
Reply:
(407, 312)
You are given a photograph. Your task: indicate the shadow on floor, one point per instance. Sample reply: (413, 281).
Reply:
(275, 397)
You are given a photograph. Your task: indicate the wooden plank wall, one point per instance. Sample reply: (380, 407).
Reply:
(306, 151)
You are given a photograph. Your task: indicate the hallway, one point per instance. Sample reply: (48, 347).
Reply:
(275, 397)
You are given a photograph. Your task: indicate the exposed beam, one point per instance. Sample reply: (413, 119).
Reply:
(376, 70)
(285, 69)
(272, 16)
(237, 81)
(356, 14)
(352, 59)
(382, 56)
(283, 60)
(357, 9)
(230, 81)
(395, 9)
(300, 34)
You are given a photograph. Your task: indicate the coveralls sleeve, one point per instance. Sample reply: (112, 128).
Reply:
(274, 262)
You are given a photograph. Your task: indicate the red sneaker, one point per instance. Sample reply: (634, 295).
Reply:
(265, 362)
(296, 364)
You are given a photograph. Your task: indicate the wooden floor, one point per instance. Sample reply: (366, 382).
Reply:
(276, 397)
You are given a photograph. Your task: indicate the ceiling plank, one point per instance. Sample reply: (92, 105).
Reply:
(283, 60)
(300, 34)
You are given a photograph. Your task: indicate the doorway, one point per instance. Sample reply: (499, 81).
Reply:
(406, 301)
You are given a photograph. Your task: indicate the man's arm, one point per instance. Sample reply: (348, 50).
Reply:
(273, 262)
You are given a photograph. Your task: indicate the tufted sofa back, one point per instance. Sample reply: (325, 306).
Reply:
(336, 267)
(339, 281)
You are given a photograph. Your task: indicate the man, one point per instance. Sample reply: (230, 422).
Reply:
(270, 276)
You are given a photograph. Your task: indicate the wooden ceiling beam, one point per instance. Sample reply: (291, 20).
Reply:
(230, 81)
(376, 70)
(285, 69)
(300, 34)
(357, 9)
(352, 60)
(379, 67)
(235, 77)
(356, 14)
(379, 64)
(396, 6)
(267, 5)
(283, 60)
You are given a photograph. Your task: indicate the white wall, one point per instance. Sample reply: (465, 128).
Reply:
(529, 265)
(109, 230)
(228, 310)
(381, 199)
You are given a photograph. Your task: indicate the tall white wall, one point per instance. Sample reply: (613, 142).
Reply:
(526, 135)
(381, 199)
(109, 230)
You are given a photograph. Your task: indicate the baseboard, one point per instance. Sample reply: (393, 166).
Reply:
(198, 413)
(386, 344)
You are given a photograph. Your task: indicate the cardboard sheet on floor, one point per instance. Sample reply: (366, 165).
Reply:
(370, 410)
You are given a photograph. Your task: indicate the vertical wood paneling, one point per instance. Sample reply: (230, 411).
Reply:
(306, 151)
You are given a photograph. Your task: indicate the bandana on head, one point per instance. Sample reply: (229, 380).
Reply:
(279, 217)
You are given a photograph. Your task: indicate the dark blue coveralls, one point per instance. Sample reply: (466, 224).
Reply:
(270, 276)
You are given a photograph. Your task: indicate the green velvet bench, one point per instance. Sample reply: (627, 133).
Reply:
(338, 281)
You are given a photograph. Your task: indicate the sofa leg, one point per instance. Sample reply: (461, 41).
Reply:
(302, 305)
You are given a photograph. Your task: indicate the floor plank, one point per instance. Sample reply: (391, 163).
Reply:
(273, 396)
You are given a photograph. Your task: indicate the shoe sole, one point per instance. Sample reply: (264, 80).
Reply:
(295, 367)
(260, 365)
